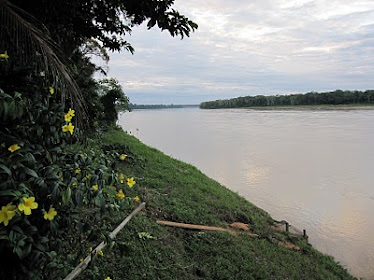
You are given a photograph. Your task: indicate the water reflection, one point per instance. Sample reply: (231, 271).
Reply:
(313, 169)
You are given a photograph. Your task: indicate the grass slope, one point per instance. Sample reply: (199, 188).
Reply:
(179, 192)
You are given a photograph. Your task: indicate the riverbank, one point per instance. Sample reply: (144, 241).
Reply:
(179, 192)
(324, 107)
(342, 107)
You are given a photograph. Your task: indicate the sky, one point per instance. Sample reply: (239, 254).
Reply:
(251, 47)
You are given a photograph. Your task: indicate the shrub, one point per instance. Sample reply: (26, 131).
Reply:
(49, 186)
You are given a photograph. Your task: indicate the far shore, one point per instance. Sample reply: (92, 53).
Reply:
(342, 107)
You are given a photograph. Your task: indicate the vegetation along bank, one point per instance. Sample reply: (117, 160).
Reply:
(334, 99)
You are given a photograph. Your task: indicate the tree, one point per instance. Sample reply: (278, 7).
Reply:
(41, 36)
(112, 96)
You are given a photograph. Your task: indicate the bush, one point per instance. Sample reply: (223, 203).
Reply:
(49, 185)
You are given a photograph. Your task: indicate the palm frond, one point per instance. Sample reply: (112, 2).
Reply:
(26, 41)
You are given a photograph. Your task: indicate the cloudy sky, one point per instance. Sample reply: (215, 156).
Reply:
(251, 47)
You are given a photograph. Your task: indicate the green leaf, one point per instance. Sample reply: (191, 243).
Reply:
(55, 192)
(26, 252)
(10, 193)
(18, 251)
(18, 229)
(39, 132)
(66, 197)
(30, 172)
(4, 169)
(39, 247)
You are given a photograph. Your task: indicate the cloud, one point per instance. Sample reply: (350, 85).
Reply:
(248, 48)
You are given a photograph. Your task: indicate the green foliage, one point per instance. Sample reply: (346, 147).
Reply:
(337, 97)
(43, 173)
(56, 196)
(112, 97)
(72, 22)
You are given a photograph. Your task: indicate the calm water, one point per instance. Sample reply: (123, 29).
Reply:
(311, 168)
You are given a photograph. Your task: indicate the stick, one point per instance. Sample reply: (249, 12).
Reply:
(102, 245)
(200, 227)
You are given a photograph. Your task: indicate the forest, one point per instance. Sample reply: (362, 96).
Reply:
(337, 97)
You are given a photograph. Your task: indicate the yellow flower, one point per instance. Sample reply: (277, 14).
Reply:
(123, 157)
(78, 170)
(108, 278)
(68, 118)
(68, 128)
(81, 260)
(4, 55)
(100, 253)
(14, 148)
(52, 90)
(131, 182)
(136, 198)
(71, 112)
(7, 213)
(74, 184)
(50, 215)
(90, 249)
(95, 187)
(120, 195)
(88, 176)
(27, 205)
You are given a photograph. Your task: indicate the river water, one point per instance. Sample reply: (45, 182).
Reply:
(311, 168)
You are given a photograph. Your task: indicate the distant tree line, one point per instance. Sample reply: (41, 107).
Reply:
(158, 106)
(311, 98)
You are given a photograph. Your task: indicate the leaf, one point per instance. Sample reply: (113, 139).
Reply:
(18, 251)
(26, 252)
(39, 132)
(30, 172)
(151, 23)
(66, 197)
(10, 193)
(4, 169)
(18, 229)
(55, 192)
(39, 247)
(102, 203)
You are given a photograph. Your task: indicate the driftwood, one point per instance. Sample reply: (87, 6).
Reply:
(289, 229)
(102, 245)
(201, 227)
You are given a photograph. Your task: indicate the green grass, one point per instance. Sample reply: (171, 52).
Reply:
(179, 192)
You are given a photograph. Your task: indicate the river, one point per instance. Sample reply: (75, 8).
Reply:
(311, 168)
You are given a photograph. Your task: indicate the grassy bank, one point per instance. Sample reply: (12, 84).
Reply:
(179, 192)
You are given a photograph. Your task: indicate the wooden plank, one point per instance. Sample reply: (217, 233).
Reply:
(76, 271)
(192, 226)
(201, 227)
